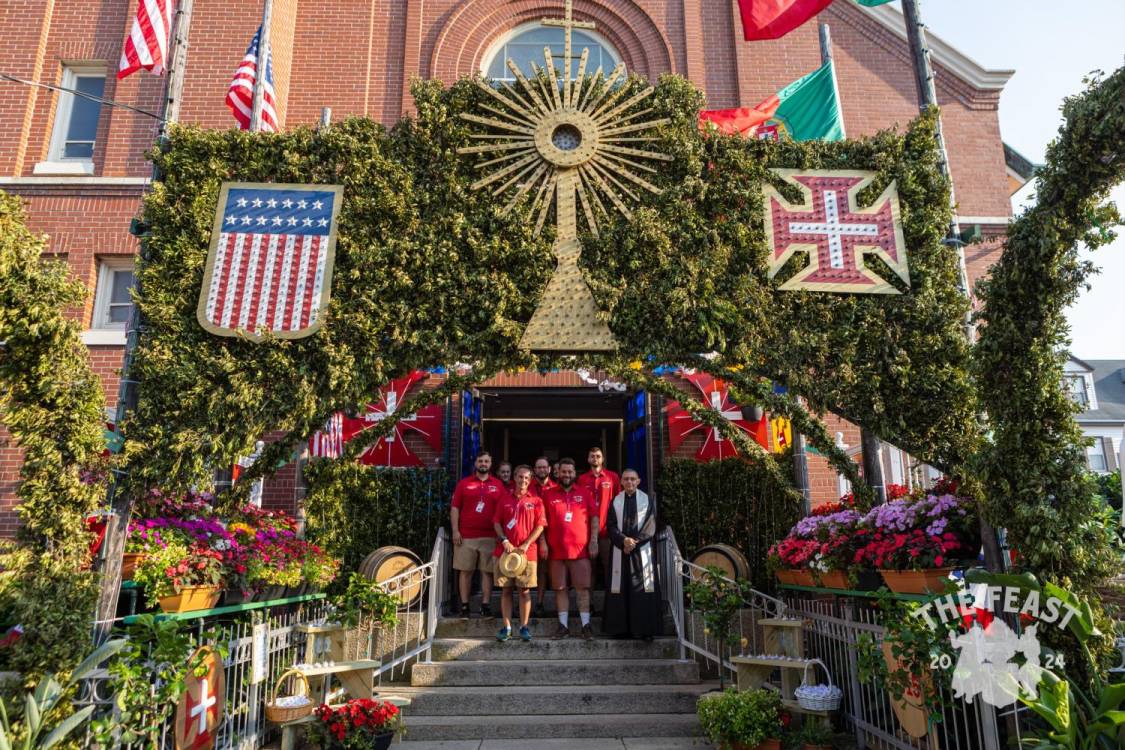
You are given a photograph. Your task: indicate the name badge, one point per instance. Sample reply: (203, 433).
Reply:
(512, 524)
(480, 507)
(568, 517)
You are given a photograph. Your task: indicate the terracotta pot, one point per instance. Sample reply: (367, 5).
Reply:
(190, 599)
(929, 581)
(129, 563)
(795, 577)
(835, 579)
(770, 744)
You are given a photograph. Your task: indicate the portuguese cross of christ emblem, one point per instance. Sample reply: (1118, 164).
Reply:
(829, 224)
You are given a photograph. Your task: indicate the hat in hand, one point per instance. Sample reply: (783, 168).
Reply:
(511, 564)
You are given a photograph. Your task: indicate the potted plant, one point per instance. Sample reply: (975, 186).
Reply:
(361, 608)
(318, 569)
(359, 724)
(814, 735)
(914, 541)
(749, 720)
(721, 600)
(181, 578)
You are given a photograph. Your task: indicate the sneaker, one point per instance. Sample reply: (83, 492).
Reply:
(464, 611)
(587, 632)
(525, 634)
(562, 632)
(504, 634)
(486, 610)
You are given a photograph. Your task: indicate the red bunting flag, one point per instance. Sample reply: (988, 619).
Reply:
(741, 120)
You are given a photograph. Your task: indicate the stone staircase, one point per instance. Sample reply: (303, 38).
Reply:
(477, 688)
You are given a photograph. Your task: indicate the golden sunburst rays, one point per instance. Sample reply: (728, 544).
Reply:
(569, 143)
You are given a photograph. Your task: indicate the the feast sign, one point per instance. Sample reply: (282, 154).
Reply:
(199, 714)
(829, 224)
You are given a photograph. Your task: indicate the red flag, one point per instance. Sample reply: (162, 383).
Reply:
(773, 19)
(147, 44)
(743, 120)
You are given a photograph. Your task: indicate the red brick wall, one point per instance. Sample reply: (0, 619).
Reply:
(383, 45)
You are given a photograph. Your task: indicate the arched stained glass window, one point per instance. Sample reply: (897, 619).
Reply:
(525, 45)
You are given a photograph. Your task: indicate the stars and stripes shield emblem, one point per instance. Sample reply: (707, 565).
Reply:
(269, 270)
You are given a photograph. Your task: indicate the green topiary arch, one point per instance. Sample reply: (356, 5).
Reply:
(429, 272)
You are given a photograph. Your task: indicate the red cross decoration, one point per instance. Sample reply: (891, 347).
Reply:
(714, 393)
(830, 226)
(200, 710)
(392, 450)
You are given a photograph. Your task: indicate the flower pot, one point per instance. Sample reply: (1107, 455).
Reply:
(770, 744)
(190, 599)
(269, 593)
(379, 742)
(291, 591)
(868, 580)
(796, 577)
(236, 596)
(929, 581)
(835, 579)
(129, 563)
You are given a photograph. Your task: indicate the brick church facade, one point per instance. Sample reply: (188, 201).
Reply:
(81, 169)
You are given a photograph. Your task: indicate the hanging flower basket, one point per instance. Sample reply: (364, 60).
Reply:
(818, 697)
(928, 581)
(289, 707)
(190, 599)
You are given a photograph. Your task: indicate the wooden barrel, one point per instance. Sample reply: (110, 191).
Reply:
(725, 557)
(387, 562)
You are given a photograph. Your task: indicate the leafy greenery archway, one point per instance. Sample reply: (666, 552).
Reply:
(428, 272)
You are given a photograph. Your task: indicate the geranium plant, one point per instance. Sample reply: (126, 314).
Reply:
(361, 723)
(318, 568)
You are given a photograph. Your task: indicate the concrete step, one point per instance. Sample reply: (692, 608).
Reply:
(534, 726)
(561, 743)
(551, 699)
(556, 672)
(541, 627)
(490, 649)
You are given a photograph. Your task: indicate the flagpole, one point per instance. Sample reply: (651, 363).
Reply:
(120, 503)
(260, 72)
(927, 97)
(825, 58)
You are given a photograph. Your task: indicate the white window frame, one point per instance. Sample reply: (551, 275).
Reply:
(101, 333)
(498, 45)
(1097, 449)
(56, 163)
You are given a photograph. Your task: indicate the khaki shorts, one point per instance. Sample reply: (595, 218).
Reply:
(578, 571)
(474, 554)
(526, 580)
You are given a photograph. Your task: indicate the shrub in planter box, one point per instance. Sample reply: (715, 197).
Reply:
(735, 720)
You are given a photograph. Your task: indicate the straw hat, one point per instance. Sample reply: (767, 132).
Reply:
(511, 564)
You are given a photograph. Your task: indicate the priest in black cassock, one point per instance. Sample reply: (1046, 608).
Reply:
(633, 608)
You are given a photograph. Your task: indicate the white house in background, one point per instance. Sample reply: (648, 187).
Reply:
(1098, 385)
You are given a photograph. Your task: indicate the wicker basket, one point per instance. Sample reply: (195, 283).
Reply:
(284, 714)
(819, 700)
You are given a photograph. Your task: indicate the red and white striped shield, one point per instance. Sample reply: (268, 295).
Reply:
(269, 270)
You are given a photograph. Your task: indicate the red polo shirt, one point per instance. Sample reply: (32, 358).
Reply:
(519, 517)
(605, 487)
(477, 501)
(568, 521)
(540, 488)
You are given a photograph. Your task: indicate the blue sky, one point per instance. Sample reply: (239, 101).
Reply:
(1051, 46)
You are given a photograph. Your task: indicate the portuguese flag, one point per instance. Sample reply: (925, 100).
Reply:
(806, 110)
(773, 19)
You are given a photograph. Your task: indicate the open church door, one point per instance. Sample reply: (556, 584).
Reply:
(636, 437)
(472, 410)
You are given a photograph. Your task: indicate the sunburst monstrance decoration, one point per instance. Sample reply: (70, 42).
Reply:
(565, 142)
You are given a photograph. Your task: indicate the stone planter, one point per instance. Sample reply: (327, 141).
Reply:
(929, 581)
(190, 599)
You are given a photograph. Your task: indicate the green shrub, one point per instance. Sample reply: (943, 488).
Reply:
(734, 501)
(749, 717)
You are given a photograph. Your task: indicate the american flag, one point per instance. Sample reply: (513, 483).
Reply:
(147, 44)
(240, 96)
(270, 263)
(329, 442)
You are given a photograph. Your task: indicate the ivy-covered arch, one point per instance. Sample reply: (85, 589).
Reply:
(429, 272)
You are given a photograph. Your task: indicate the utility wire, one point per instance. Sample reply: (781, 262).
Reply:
(83, 94)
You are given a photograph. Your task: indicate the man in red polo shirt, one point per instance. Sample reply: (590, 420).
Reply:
(474, 505)
(519, 521)
(572, 536)
(605, 485)
(540, 484)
